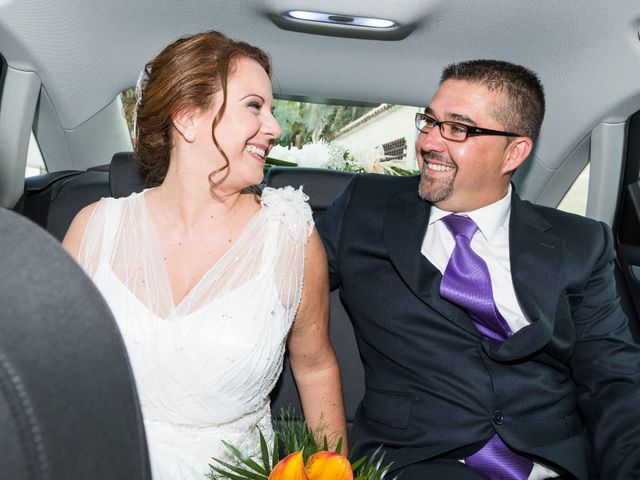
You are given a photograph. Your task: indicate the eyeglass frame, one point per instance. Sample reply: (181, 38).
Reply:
(471, 131)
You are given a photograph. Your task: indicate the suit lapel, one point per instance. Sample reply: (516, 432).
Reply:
(536, 257)
(405, 224)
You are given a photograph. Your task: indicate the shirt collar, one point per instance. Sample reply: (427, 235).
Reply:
(489, 218)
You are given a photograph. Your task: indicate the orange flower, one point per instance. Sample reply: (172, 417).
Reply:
(320, 466)
(329, 466)
(289, 468)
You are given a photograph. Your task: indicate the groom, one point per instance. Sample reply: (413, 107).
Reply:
(493, 342)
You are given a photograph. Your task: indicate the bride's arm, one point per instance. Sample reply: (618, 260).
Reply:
(313, 361)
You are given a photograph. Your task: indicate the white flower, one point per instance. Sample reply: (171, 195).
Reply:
(314, 154)
(369, 158)
(288, 205)
(280, 200)
(283, 153)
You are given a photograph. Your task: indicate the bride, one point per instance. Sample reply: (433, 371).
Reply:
(207, 278)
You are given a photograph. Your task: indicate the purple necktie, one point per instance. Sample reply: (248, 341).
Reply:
(466, 282)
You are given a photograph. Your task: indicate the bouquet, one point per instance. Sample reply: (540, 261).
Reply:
(335, 156)
(296, 455)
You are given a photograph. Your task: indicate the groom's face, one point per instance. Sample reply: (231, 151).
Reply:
(463, 176)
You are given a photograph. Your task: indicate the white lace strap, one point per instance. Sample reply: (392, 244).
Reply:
(269, 247)
(112, 214)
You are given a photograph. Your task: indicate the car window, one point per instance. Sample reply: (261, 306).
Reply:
(35, 162)
(374, 139)
(575, 200)
(339, 135)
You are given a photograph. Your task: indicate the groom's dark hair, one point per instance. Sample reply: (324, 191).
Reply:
(523, 109)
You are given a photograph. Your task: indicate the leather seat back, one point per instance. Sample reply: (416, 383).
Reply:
(68, 403)
(53, 200)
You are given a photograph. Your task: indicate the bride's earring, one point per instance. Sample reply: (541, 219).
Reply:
(189, 135)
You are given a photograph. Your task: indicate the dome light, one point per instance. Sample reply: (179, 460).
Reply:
(338, 19)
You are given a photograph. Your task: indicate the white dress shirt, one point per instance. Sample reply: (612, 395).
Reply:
(491, 243)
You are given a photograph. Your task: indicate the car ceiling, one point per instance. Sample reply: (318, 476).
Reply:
(587, 52)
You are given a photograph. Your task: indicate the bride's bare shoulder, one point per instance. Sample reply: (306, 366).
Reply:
(75, 232)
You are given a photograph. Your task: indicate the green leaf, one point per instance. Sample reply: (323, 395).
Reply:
(249, 462)
(237, 454)
(357, 463)
(338, 448)
(279, 163)
(370, 468)
(226, 475)
(274, 453)
(394, 170)
(245, 474)
(264, 450)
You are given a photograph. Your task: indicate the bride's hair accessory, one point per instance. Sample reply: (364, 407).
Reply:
(143, 78)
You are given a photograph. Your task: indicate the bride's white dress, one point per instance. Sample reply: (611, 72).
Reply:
(203, 368)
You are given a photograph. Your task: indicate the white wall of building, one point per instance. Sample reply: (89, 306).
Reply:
(392, 124)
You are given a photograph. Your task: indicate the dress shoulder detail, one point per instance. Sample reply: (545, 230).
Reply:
(288, 205)
(118, 202)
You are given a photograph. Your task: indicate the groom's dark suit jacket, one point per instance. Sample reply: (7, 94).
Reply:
(564, 389)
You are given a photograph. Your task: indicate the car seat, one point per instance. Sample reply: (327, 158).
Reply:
(68, 403)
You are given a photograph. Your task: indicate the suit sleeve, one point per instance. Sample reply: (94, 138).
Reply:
(330, 226)
(606, 368)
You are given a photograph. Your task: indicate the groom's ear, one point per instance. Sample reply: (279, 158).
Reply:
(186, 122)
(516, 153)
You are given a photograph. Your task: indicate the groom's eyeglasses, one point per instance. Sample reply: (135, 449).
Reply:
(456, 131)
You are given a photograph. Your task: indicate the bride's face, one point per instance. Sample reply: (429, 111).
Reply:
(247, 129)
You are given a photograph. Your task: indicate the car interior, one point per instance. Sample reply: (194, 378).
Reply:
(64, 65)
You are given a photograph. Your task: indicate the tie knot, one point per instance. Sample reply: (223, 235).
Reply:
(459, 225)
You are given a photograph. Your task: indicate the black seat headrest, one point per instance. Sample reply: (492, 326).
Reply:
(321, 185)
(68, 404)
(38, 183)
(125, 175)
